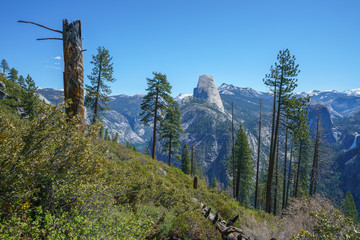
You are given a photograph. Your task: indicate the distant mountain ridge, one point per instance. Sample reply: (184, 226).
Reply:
(205, 125)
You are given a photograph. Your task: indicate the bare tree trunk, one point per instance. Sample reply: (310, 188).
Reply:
(238, 180)
(276, 178)
(271, 161)
(298, 171)
(289, 178)
(232, 149)
(96, 104)
(73, 65)
(192, 161)
(314, 171)
(74, 70)
(170, 151)
(285, 162)
(155, 122)
(258, 160)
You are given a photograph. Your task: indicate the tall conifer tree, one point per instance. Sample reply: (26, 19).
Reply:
(29, 98)
(154, 103)
(170, 129)
(244, 167)
(282, 81)
(97, 93)
(4, 66)
(13, 75)
(185, 159)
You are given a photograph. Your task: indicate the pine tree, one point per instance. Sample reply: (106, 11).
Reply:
(97, 93)
(107, 135)
(13, 75)
(214, 183)
(154, 103)
(21, 81)
(282, 81)
(258, 161)
(349, 207)
(170, 129)
(244, 167)
(4, 66)
(101, 132)
(185, 160)
(297, 111)
(29, 98)
(314, 170)
(116, 137)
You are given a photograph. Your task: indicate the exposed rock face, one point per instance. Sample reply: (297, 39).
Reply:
(206, 89)
(2, 74)
(3, 94)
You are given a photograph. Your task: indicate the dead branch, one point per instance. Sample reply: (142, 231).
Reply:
(49, 39)
(21, 21)
(227, 231)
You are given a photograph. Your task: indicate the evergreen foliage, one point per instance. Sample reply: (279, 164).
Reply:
(349, 207)
(21, 81)
(107, 135)
(170, 129)
(13, 75)
(30, 99)
(116, 137)
(101, 132)
(281, 81)
(244, 167)
(4, 66)
(97, 93)
(155, 103)
(185, 159)
(214, 182)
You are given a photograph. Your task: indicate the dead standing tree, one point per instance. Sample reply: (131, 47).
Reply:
(73, 65)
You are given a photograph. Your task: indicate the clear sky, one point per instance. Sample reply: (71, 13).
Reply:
(236, 41)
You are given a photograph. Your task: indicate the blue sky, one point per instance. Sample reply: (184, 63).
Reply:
(235, 41)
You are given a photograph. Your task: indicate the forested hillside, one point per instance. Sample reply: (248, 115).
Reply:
(59, 179)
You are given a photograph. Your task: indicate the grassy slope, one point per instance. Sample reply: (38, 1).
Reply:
(127, 196)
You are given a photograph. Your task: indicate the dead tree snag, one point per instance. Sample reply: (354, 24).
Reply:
(73, 65)
(73, 68)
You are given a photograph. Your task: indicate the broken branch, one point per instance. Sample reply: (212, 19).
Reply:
(49, 39)
(20, 21)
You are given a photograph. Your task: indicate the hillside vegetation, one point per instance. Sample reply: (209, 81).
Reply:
(58, 180)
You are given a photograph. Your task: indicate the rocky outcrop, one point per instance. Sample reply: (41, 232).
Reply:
(206, 89)
(3, 94)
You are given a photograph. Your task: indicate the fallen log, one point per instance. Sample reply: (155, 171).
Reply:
(227, 230)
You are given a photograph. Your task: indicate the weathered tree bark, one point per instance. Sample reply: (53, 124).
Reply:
(276, 179)
(73, 65)
(155, 122)
(226, 229)
(73, 68)
(314, 171)
(96, 103)
(170, 150)
(195, 182)
(192, 161)
(258, 160)
(271, 162)
(289, 178)
(285, 163)
(232, 149)
(298, 171)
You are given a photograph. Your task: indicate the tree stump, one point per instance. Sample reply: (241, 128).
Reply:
(73, 68)
(226, 229)
(195, 182)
